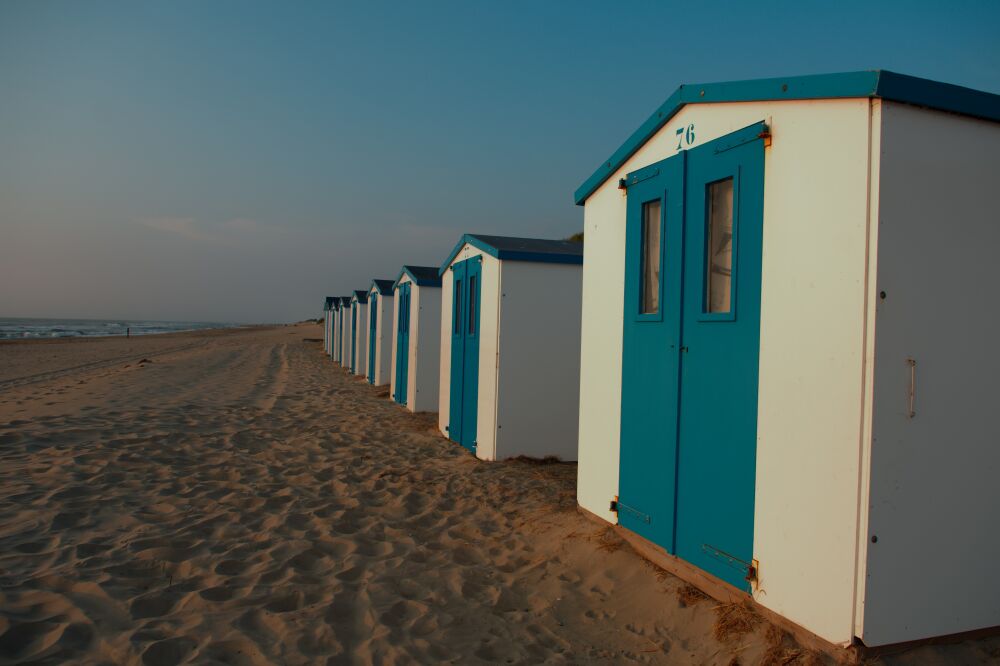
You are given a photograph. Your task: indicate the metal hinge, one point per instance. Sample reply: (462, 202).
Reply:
(633, 511)
(748, 568)
(637, 177)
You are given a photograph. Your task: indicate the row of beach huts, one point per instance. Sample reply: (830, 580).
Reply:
(775, 362)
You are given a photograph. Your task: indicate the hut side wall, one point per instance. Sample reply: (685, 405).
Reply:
(812, 347)
(538, 395)
(934, 485)
(360, 333)
(425, 349)
(345, 338)
(383, 337)
(326, 331)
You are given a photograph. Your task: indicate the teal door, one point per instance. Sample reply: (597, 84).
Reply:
(354, 336)
(372, 330)
(402, 341)
(464, 398)
(691, 343)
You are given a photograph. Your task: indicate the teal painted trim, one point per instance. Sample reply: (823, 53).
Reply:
(509, 255)
(381, 286)
(936, 95)
(420, 282)
(875, 83)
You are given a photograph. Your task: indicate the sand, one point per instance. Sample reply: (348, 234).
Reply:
(235, 497)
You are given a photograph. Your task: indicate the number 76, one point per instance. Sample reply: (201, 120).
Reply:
(685, 135)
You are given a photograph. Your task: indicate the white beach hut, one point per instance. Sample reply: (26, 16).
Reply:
(344, 340)
(380, 306)
(358, 325)
(416, 338)
(327, 323)
(510, 355)
(336, 328)
(794, 399)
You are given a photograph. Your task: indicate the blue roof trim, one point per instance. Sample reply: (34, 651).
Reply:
(360, 295)
(876, 83)
(512, 248)
(422, 276)
(383, 286)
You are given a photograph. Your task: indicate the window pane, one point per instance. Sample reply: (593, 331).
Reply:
(719, 262)
(472, 305)
(458, 307)
(651, 257)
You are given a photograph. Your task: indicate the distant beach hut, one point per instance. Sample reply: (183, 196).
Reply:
(327, 323)
(793, 397)
(510, 346)
(345, 333)
(358, 326)
(380, 305)
(416, 343)
(336, 328)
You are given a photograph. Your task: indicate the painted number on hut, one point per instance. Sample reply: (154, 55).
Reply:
(685, 136)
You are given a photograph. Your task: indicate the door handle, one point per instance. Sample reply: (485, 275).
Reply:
(684, 349)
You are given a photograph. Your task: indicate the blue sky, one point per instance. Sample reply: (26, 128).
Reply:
(238, 161)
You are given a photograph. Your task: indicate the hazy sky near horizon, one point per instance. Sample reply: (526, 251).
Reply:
(239, 161)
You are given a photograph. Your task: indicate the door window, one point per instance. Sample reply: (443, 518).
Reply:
(650, 263)
(719, 247)
(472, 305)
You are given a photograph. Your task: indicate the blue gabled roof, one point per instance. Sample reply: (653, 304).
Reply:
(520, 249)
(875, 83)
(328, 303)
(360, 295)
(338, 302)
(422, 276)
(383, 286)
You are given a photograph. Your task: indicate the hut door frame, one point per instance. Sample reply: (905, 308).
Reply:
(372, 335)
(465, 320)
(402, 342)
(689, 374)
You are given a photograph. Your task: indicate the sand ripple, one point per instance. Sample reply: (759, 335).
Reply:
(244, 501)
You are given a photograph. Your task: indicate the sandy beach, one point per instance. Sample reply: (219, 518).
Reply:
(235, 497)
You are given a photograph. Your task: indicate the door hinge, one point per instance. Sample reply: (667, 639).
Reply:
(749, 569)
(644, 517)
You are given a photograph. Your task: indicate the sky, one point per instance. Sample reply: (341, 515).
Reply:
(239, 161)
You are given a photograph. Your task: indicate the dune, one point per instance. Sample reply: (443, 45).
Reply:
(235, 497)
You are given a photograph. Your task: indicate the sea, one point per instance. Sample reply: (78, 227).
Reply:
(14, 328)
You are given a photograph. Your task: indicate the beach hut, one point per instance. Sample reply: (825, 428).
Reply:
(345, 332)
(327, 323)
(416, 342)
(510, 346)
(380, 306)
(336, 329)
(793, 396)
(358, 325)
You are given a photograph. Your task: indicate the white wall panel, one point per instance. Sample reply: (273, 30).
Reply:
(934, 489)
(539, 360)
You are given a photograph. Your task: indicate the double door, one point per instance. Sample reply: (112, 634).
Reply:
(402, 342)
(372, 335)
(464, 398)
(354, 337)
(691, 343)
